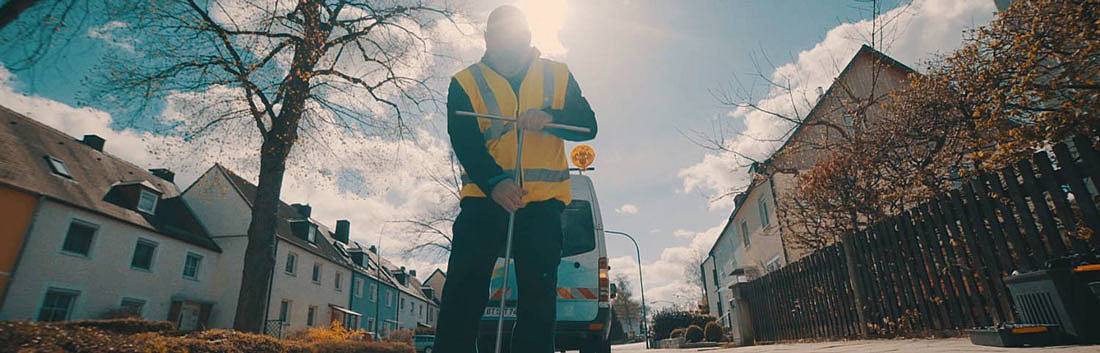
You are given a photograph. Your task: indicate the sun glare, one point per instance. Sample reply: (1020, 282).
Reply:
(546, 17)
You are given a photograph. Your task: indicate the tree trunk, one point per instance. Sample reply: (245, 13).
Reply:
(259, 256)
(853, 279)
(12, 9)
(259, 262)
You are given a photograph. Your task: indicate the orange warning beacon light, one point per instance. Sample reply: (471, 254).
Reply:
(582, 156)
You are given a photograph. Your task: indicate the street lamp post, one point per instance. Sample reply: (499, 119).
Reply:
(641, 284)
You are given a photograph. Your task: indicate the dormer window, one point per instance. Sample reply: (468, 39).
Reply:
(147, 202)
(312, 236)
(136, 195)
(58, 167)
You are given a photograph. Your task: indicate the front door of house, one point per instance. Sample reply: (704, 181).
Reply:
(189, 316)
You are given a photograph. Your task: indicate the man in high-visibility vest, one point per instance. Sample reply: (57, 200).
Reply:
(510, 80)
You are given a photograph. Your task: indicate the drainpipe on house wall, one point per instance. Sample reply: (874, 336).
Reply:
(271, 284)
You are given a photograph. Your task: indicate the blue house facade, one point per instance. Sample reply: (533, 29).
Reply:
(373, 294)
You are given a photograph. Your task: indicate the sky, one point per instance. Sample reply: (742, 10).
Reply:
(650, 70)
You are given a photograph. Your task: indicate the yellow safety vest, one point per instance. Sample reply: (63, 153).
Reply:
(545, 173)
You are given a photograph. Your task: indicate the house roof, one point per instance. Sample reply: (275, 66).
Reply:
(285, 214)
(863, 50)
(437, 272)
(23, 165)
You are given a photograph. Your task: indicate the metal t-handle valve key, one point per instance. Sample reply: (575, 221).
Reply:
(518, 172)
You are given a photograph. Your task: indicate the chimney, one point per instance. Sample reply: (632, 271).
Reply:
(302, 209)
(412, 273)
(373, 249)
(401, 275)
(820, 92)
(94, 141)
(343, 229)
(164, 173)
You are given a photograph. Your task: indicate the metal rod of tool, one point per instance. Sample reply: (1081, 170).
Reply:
(508, 242)
(511, 119)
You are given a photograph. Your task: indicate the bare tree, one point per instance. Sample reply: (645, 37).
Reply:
(430, 229)
(841, 117)
(291, 70)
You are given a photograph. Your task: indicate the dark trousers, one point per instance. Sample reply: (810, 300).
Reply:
(480, 232)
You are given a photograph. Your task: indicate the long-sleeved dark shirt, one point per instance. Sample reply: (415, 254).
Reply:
(469, 143)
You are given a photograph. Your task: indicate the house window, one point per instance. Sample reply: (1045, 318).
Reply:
(370, 323)
(132, 306)
(389, 299)
(373, 292)
(143, 255)
(358, 287)
(147, 202)
(339, 286)
(402, 303)
(191, 266)
(763, 209)
(58, 167)
(79, 238)
(291, 265)
(58, 304)
(745, 232)
(317, 273)
(312, 236)
(310, 315)
(284, 310)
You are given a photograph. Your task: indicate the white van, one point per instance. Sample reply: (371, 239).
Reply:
(584, 291)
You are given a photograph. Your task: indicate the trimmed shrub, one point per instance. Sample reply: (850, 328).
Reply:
(127, 326)
(72, 337)
(666, 320)
(360, 347)
(676, 333)
(713, 332)
(693, 333)
(336, 332)
(403, 336)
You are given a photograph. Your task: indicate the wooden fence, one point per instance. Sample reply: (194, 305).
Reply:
(939, 266)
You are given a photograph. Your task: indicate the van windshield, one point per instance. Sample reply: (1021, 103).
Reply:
(578, 230)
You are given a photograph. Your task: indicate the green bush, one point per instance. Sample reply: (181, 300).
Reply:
(693, 333)
(713, 332)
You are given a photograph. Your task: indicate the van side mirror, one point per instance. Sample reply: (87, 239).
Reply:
(614, 291)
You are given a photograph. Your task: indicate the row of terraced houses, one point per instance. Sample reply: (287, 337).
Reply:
(84, 235)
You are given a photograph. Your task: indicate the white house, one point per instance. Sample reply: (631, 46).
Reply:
(312, 279)
(106, 237)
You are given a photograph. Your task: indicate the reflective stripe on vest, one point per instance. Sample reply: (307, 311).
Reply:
(543, 175)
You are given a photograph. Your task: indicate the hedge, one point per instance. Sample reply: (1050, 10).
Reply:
(93, 336)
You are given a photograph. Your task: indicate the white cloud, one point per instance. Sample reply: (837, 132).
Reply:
(105, 34)
(925, 28)
(627, 209)
(128, 144)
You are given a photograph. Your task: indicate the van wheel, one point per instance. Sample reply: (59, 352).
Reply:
(596, 347)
